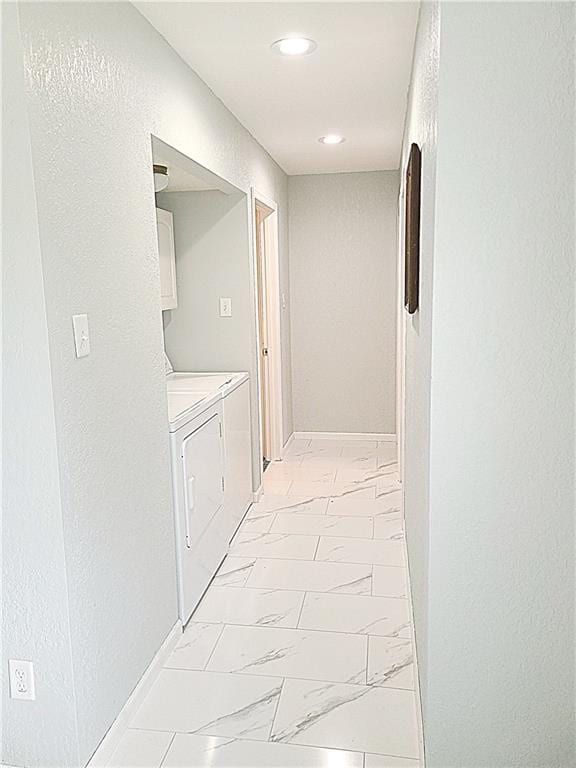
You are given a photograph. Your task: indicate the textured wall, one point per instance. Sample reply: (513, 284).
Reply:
(34, 604)
(100, 81)
(421, 129)
(501, 629)
(343, 246)
(492, 500)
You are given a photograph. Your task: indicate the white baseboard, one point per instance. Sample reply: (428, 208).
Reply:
(384, 437)
(257, 494)
(106, 748)
(288, 443)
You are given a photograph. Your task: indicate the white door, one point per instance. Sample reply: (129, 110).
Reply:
(202, 547)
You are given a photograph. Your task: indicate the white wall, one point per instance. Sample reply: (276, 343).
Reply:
(100, 82)
(420, 128)
(213, 259)
(498, 659)
(343, 301)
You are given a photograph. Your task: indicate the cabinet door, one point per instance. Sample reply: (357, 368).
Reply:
(167, 256)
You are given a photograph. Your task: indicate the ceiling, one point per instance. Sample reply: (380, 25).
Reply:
(355, 83)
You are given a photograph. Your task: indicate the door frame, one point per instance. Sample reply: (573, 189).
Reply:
(275, 423)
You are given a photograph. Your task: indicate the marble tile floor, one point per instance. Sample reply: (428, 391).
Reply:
(300, 653)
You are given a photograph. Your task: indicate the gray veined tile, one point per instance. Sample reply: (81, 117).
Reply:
(389, 506)
(353, 717)
(211, 703)
(141, 749)
(302, 472)
(195, 646)
(291, 653)
(244, 605)
(390, 662)
(389, 529)
(346, 578)
(326, 490)
(339, 462)
(283, 545)
(294, 504)
(234, 571)
(189, 750)
(389, 581)
(363, 475)
(318, 525)
(256, 523)
(343, 443)
(348, 550)
(387, 761)
(360, 614)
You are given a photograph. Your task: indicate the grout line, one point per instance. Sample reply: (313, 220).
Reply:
(299, 629)
(167, 750)
(205, 667)
(297, 590)
(275, 712)
(240, 675)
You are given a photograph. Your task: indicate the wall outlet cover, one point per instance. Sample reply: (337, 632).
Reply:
(21, 679)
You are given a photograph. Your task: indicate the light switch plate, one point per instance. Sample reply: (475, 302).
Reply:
(225, 307)
(81, 335)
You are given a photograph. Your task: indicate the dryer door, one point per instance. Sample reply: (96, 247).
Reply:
(202, 548)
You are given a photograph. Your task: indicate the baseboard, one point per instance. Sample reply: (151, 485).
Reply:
(288, 443)
(257, 494)
(106, 748)
(384, 437)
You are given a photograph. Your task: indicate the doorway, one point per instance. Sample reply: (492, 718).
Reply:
(268, 327)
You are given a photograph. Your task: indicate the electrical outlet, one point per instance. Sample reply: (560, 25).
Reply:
(21, 679)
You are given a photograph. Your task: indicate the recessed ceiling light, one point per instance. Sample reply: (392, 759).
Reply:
(331, 138)
(294, 46)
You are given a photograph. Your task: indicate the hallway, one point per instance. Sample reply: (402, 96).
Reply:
(300, 653)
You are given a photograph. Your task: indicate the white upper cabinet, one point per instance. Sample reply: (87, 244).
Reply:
(167, 254)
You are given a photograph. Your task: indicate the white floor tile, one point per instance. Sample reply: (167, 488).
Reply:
(354, 717)
(297, 504)
(211, 703)
(304, 473)
(257, 523)
(345, 578)
(189, 750)
(387, 452)
(347, 474)
(256, 607)
(291, 653)
(390, 662)
(387, 761)
(386, 484)
(357, 452)
(360, 614)
(278, 487)
(234, 571)
(389, 529)
(389, 581)
(323, 524)
(343, 443)
(195, 646)
(349, 550)
(296, 446)
(338, 462)
(141, 749)
(300, 488)
(389, 506)
(274, 545)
